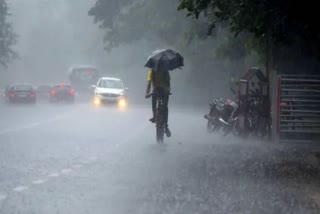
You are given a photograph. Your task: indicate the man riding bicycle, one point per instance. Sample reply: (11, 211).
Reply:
(160, 81)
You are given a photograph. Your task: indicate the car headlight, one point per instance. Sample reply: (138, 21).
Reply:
(97, 101)
(122, 103)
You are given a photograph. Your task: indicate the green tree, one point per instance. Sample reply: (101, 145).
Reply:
(7, 36)
(127, 21)
(132, 21)
(160, 18)
(283, 22)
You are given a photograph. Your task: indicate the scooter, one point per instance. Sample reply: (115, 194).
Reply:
(229, 114)
(216, 109)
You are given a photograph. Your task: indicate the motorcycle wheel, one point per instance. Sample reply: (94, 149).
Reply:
(210, 126)
(237, 130)
(226, 130)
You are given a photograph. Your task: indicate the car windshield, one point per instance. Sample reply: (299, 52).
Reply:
(111, 83)
(61, 86)
(22, 87)
(84, 75)
(44, 88)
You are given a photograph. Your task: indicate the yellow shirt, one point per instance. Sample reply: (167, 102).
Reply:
(160, 79)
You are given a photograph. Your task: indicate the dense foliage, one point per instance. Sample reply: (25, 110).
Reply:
(7, 35)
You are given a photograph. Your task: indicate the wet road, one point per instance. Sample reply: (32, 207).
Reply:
(80, 159)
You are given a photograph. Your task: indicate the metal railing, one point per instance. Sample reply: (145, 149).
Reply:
(298, 109)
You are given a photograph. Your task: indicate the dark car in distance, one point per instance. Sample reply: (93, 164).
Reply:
(19, 93)
(43, 92)
(62, 93)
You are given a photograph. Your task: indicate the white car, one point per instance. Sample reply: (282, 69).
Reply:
(110, 90)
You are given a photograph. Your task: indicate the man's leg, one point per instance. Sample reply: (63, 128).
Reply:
(166, 111)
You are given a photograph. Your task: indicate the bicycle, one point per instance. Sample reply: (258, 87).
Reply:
(159, 117)
(256, 124)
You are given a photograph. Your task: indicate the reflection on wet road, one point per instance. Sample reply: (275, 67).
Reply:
(78, 159)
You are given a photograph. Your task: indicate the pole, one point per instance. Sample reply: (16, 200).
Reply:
(268, 74)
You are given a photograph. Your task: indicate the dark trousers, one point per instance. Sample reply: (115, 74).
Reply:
(165, 99)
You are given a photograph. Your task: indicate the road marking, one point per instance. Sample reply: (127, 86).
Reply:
(77, 166)
(36, 124)
(6, 131)
(32, 125)
(66, 171)
(3, 197)
(59, 117)
(20, 188)
(54, 175)
(39, 181)
(86, 162)
(93, 159)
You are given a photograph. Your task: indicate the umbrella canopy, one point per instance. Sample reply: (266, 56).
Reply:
(166, 59)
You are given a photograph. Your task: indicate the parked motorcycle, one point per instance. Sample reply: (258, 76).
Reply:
(216, 109)
(229, 116)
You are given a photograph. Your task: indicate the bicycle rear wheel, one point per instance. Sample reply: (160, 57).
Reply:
(159, 127)
(160, 135)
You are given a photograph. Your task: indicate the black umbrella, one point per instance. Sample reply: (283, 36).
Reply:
(164, 59)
